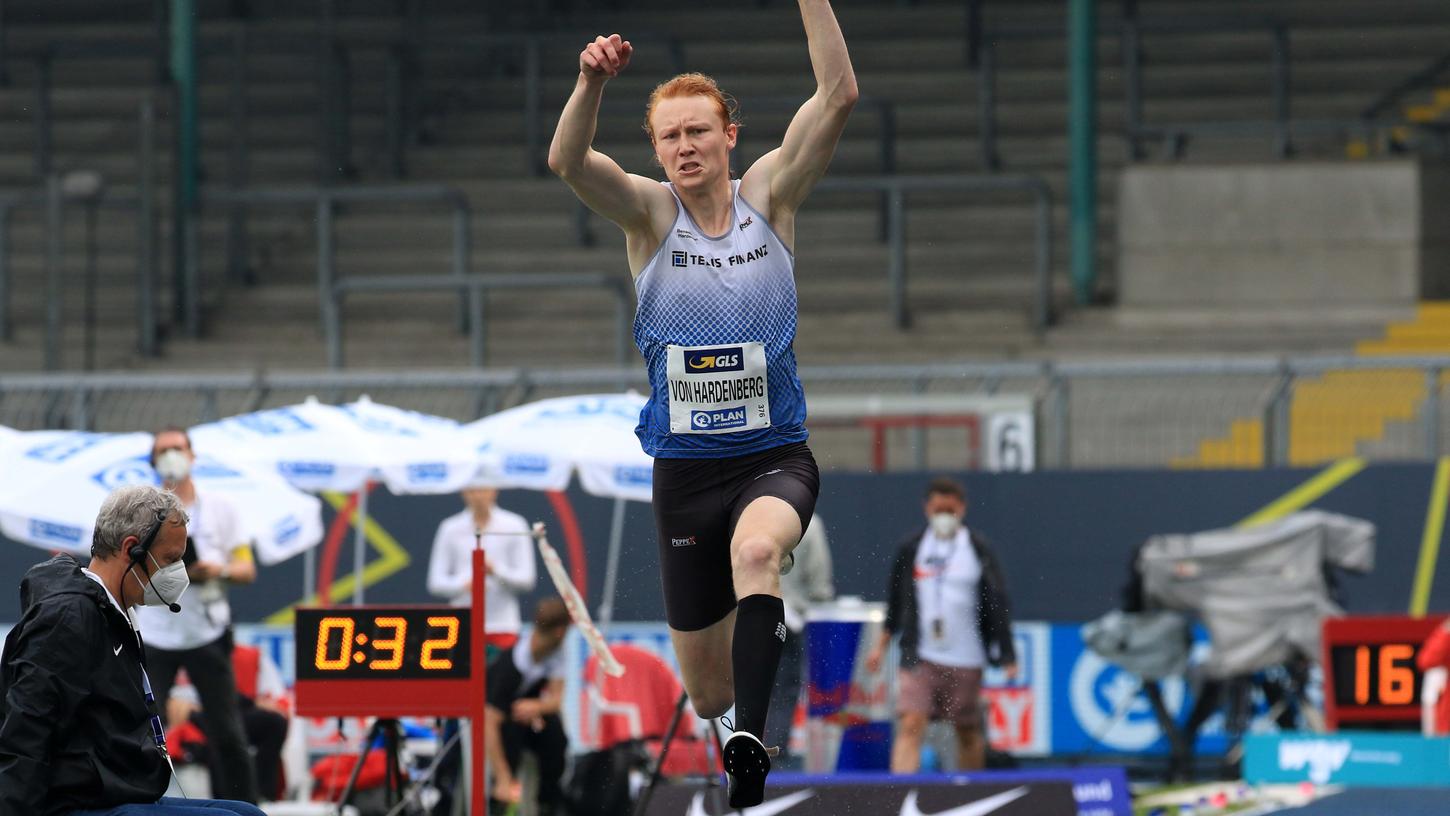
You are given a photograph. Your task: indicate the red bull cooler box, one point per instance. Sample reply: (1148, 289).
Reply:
(848, 709)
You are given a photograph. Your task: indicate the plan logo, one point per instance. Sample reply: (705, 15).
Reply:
(721, 420)
(728, 358)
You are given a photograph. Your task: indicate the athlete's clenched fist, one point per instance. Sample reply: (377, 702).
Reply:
(605, 57)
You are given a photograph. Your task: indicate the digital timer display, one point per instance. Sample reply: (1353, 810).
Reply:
(1370, 676)
(383, 643)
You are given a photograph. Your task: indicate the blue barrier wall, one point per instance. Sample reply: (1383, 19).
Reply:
(1064, 537)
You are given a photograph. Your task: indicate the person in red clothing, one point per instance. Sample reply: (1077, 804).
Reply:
(1436, 654)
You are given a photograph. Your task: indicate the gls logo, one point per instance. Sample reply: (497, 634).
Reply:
(729, 358)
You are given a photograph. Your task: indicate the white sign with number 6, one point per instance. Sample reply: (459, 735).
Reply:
(1011, 442)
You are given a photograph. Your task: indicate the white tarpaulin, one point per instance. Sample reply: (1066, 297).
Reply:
(1260, 591)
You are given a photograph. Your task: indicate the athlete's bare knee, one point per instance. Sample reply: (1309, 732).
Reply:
(711, 705)
(756, 554)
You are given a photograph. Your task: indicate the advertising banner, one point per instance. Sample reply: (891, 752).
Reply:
(938, 797)
(1382, 759)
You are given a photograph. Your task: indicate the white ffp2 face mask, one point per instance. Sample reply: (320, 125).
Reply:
(173, 465)
(945, 525)
(171, 581)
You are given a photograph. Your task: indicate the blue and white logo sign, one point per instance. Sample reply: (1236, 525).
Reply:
(633, 476)
(134, 471)
(427, 473)
(67, 446)
(276, 422)
(63, 535)
(719, 419)
(522, 464)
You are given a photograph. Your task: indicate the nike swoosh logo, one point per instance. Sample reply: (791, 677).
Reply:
(981, 807)
(118, 649)
(774, 806)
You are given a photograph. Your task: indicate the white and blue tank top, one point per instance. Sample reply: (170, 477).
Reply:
(715, 324)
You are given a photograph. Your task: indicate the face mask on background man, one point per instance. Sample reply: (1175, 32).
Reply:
(945, 525)
(173, 465)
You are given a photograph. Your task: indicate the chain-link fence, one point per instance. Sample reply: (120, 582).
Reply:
(1205, 413)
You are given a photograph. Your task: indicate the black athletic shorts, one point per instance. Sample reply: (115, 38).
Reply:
(697, 503)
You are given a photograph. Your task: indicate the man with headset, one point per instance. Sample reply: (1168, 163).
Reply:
(199, 638)
(80, 733)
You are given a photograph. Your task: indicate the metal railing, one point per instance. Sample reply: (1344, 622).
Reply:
(1090, 414)
(895, 189)
(52, 198)
(333, 288)
(1175, 136)
(404, 83)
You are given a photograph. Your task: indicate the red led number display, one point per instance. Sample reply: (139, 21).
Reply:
(399, 643)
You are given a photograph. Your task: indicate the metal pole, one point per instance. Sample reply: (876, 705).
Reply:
(327, 295)
(1083, 137)
(237, 251)
(4, 30)
(468, 304)
(1061, 407)
(325, 102)
(533, 88)
(53, 287)
(184, 79)
(1284, 146)
(918, 432)
(88, 353)
(359, 544)
(42, 115)
(611, 569)
(1132, 79)
(888, 154)
(1276, 423)
(896, 229)
(1045, 311)
(146, 273)
(393, 107)
(974, 33)
(5, 329)
(309, 575)
(987, 107)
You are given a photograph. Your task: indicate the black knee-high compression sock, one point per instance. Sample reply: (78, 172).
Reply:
(759, 638)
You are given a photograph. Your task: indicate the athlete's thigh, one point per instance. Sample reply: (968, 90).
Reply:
(777, 499)
(692, 523)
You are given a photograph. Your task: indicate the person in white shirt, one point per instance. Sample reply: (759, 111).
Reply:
(508, 557)
(199, 637)
(947, 600)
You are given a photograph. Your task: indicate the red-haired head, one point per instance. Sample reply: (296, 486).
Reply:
(692, 125)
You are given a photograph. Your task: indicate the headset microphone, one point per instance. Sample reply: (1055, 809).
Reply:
(138, 554)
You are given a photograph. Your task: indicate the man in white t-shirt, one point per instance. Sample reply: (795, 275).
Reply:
(199, 637)
(508, 557)
(948, 602)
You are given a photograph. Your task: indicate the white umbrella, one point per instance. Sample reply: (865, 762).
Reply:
(541, 445)
(52, 484)
(317, 447)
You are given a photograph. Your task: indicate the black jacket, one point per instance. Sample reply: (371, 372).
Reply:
(75, 727)
(994, 611)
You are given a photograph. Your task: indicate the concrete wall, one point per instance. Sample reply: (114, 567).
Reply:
(1296, 233)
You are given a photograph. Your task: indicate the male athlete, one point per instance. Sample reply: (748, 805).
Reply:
(734, 483)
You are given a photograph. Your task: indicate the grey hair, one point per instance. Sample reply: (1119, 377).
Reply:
(133, 510)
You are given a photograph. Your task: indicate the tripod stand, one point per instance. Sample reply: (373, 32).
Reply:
(712, 780)
(388, 729)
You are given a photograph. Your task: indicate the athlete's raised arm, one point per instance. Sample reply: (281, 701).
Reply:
(787, 174)
(599, 182)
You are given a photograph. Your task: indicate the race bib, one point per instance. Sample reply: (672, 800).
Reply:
(718, 389)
